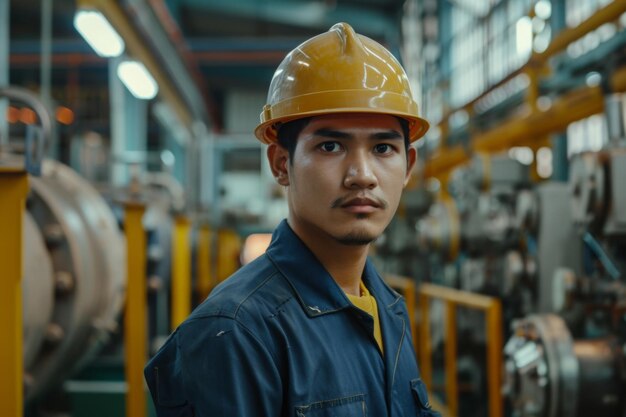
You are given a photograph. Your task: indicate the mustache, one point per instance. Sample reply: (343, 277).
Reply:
(346, 199)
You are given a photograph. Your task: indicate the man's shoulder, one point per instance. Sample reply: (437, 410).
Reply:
(256, 287)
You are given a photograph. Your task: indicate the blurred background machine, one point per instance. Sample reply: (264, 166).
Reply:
(132, 122)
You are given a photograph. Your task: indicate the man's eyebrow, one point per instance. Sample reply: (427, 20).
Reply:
(331, 133)
(387, 135)
(338, 134)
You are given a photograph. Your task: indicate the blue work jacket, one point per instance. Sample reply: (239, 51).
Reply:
(280, 339)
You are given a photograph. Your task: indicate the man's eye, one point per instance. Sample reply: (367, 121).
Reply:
(330, 147)
(383, 148)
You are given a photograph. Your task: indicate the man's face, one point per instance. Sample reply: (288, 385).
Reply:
(346, 178)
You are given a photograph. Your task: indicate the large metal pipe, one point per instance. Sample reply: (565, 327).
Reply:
(87, 256)
(37, 290)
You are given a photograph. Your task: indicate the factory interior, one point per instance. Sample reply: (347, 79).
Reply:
(131, 184)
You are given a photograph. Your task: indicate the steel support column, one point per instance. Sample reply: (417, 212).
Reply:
(559, 141)
(129, 120)
(5, 23)
(45, 71)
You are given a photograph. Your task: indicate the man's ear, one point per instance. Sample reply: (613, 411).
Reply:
(278, 158)
(410, 162)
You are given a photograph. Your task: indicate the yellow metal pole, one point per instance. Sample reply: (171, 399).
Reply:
(494, 358)
(13, 191)
(452, 393)
(425, 342)
(228, 251)
(135, 319)
(204, 262)
(181, 271)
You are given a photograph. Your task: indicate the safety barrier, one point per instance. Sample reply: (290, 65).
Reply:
(493, 316)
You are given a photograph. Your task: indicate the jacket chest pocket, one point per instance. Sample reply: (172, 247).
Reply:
(421, 399)
(352, 406)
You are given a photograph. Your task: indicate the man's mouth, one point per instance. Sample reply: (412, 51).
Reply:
(361, 205)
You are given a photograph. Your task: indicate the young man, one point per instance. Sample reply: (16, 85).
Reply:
(310, 328)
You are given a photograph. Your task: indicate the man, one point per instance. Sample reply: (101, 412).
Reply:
(310, 328)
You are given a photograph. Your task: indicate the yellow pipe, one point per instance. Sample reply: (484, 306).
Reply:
(494, 358)
(525, 130)
(181, 271)
(532, 93)
(447, 158)
(13, 191)
(204, 262)
(137, 48)
(573, 106)
(609, 13)
(452, 391)
(135, 319)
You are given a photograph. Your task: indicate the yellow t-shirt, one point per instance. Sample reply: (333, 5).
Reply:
(367, 303)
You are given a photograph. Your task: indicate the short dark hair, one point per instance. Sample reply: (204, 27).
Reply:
(287, 134)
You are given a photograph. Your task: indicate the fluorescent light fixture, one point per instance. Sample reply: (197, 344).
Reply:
(524, 36)
(137, 79)
(98, 33)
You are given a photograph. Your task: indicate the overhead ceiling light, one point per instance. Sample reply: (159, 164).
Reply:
(524, 36)
(98, 33)
(137, 79)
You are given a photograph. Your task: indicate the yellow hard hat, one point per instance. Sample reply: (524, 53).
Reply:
(338, 72)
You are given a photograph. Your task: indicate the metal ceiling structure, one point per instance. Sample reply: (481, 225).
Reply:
(217, 45)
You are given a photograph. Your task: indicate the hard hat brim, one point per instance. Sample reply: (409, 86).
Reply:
(338, 102)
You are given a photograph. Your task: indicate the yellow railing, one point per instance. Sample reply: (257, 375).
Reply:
(493, 315)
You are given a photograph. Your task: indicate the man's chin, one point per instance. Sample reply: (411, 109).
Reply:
(357, 238)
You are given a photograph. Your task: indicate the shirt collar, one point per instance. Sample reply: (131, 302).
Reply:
(316, 290)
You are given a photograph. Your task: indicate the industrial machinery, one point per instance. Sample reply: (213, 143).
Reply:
(553, 249)
(74, 267)
(571, 360)
(476, 236)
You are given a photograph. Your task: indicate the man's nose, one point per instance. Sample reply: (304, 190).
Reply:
(359, 172)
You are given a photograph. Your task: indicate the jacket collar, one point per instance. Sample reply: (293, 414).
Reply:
(316, 290)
